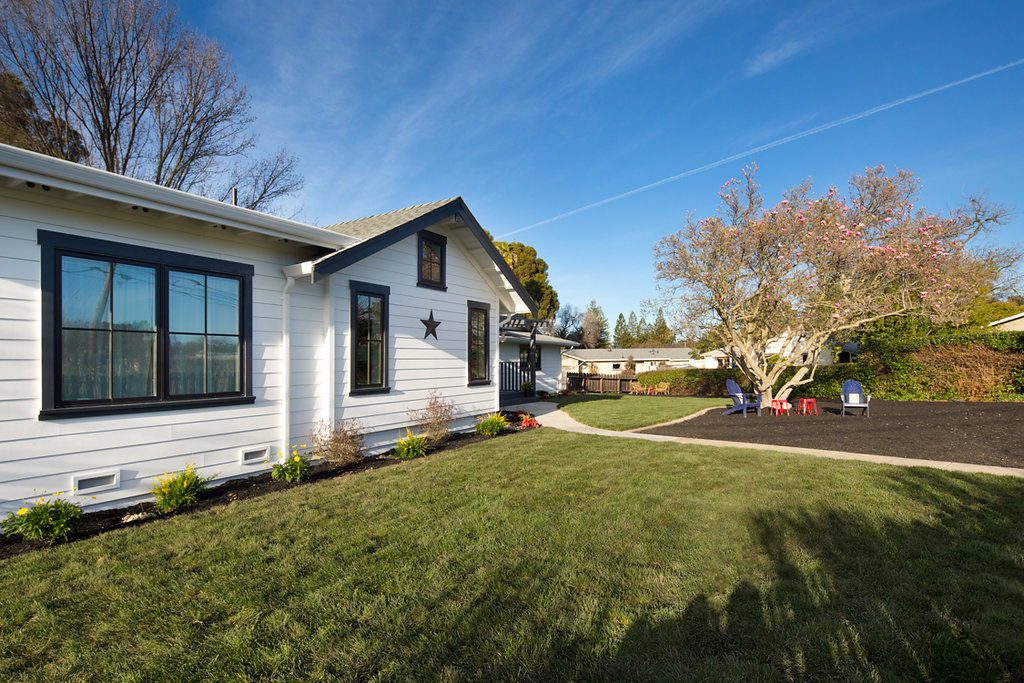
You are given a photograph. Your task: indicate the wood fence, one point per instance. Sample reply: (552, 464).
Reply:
(600, 384)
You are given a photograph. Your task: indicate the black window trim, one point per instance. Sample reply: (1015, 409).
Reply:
(486, 308)
(536, 353)
(441, 241)
(54, 244)
(355, 289)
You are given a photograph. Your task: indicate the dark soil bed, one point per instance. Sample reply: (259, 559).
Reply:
(950, 431)
(93, 523)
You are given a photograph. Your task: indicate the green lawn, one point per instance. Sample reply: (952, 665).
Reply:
(622, 411)
(547, 555)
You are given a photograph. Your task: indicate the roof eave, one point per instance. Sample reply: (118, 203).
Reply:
(22, 165)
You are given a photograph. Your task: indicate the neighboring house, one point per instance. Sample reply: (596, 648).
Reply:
(1013, 323)
(514, 350)
(145, 329)
(615, 361)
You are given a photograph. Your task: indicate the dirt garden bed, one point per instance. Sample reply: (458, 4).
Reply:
(221, 495)
(950, 431)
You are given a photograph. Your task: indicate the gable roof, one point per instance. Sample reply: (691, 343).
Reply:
(365, 228)
(378, 232)
(666, 353)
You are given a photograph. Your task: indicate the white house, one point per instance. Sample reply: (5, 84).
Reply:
(145, 329)
(1011, 323)
(514, 350)
(614, 361)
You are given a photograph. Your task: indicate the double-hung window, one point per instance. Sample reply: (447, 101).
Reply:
(369, 337)
(431, 249)
(479, 336)
(129, 328)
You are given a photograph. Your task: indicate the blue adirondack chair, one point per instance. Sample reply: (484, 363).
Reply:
(739, 399)
(854, 397)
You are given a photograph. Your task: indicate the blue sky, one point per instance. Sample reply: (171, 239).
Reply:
(531, 110)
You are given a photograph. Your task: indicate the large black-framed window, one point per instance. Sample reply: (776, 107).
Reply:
(430, 260)
(369, 306)
(129, 328)
(479, 353)
(524, 355)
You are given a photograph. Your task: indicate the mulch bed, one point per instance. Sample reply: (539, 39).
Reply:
(221, 495)
(948, 431)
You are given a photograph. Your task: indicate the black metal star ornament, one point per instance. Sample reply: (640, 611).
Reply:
(431, 326)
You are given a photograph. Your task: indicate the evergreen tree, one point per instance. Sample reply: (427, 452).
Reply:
(623, 336)
(660, 335)
(634, 330)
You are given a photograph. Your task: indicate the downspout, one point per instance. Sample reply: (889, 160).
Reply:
(286, 354)
(290, 273)
(331, 350)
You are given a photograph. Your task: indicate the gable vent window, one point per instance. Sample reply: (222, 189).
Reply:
(431, 249)
(87, 483)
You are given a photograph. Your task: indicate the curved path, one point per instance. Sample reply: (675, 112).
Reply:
(549, 415)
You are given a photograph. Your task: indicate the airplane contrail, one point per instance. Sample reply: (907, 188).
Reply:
(781, 141)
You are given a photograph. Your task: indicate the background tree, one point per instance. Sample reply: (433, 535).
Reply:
(568, 323)
(808, 269)
(532, 271)
(635, 329)
(659, 334)
(23, 125)
(149, 97)
(595, 328)
(623, 336)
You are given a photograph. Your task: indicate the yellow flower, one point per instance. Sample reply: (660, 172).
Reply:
(302, 446)
(297, 458)
(23, 511)
(294, 452)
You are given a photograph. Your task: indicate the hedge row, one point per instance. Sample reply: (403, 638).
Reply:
(905, 369)
(694, 382)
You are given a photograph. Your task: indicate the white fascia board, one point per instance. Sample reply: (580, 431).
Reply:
(75, 178)
(1007, 319)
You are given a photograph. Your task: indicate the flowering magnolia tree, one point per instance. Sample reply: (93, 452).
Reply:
(773, 286)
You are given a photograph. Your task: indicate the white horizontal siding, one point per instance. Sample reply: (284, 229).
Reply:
(40, 456)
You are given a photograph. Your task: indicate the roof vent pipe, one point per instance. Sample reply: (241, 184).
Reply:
(234, 196)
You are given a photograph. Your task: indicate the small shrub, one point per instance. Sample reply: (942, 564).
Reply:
(527, 387)
(340, 443)
(173, 491)
(44, 521)
(528, 422)
(295, 468)
(411, 446)
(436, 419)
(493, 423)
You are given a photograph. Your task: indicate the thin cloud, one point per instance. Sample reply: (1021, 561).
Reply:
(771, 145)
(772, 57)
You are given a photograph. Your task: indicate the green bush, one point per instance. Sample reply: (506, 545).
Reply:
(828, 380)
(411, 446)
(294, 469)
(44, 521)
(173, 491)
(493, 423)
(694, 382)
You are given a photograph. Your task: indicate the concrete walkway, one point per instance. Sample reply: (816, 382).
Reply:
(549, 415)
